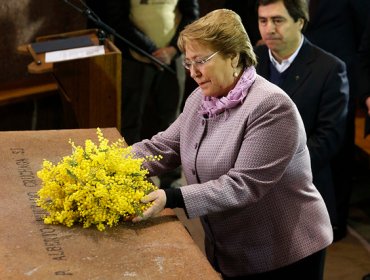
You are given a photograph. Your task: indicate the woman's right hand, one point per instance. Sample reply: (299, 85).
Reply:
(158, 197)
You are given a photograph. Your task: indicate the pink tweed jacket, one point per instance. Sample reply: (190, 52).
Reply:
(249, 180)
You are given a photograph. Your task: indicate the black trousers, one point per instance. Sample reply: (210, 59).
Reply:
(309, 268)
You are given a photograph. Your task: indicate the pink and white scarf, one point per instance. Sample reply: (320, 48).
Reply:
(213, 106)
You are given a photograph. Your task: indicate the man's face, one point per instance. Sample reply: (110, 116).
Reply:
(278, 30)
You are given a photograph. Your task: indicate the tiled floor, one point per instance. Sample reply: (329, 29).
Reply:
(348, 259)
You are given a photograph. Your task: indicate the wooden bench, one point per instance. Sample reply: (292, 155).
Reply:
(28, 90)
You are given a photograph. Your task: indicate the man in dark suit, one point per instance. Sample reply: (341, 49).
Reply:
(337, 27)
(364, 54)
(314, 79)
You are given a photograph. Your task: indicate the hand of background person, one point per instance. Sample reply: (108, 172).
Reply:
(158, 197)
(165, 54)
(367, 102)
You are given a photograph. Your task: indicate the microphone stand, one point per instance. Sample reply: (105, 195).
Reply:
(106, 28)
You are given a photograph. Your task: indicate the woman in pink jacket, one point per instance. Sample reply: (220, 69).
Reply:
(242, 146)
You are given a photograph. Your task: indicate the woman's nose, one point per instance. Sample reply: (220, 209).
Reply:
(194, 71)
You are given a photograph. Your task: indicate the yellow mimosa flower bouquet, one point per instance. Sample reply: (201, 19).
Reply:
(97, 185)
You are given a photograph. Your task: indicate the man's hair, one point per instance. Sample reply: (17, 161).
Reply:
(296, 8)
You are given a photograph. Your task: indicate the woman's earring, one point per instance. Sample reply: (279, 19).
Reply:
(234, 65)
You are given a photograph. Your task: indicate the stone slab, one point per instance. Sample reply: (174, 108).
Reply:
(160, 248)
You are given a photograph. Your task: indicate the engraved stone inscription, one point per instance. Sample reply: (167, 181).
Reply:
(49, 234)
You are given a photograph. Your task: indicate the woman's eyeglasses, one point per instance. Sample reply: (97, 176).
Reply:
(187, 63)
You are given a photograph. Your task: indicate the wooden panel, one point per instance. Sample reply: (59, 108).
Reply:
(90, 87)
(27, 89)
(360, 140)
(93, 87)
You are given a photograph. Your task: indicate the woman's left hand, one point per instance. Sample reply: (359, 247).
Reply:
(158, 197)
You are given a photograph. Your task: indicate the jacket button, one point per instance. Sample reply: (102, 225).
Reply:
(193, 171)
(196, 145)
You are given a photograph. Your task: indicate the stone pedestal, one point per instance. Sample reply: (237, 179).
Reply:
(160, 248)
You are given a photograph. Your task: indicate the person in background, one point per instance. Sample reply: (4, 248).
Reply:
(337, 27)
(246, 9)
(364, 54)
(242, 146)
(315, 80)
(151, 96)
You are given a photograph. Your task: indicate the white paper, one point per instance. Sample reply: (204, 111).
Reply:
(74, 53)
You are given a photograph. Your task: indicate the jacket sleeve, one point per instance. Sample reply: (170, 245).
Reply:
(331, 120)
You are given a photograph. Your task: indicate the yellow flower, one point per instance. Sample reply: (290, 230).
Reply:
(97, 185)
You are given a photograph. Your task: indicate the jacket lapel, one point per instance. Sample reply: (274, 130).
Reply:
(263, 66)
(299, 70)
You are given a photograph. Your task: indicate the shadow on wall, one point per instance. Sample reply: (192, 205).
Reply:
(23, 21)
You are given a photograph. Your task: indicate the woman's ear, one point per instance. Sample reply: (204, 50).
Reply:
(235, 60)
(235, 64)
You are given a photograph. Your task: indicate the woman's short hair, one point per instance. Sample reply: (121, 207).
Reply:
(220, 30)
